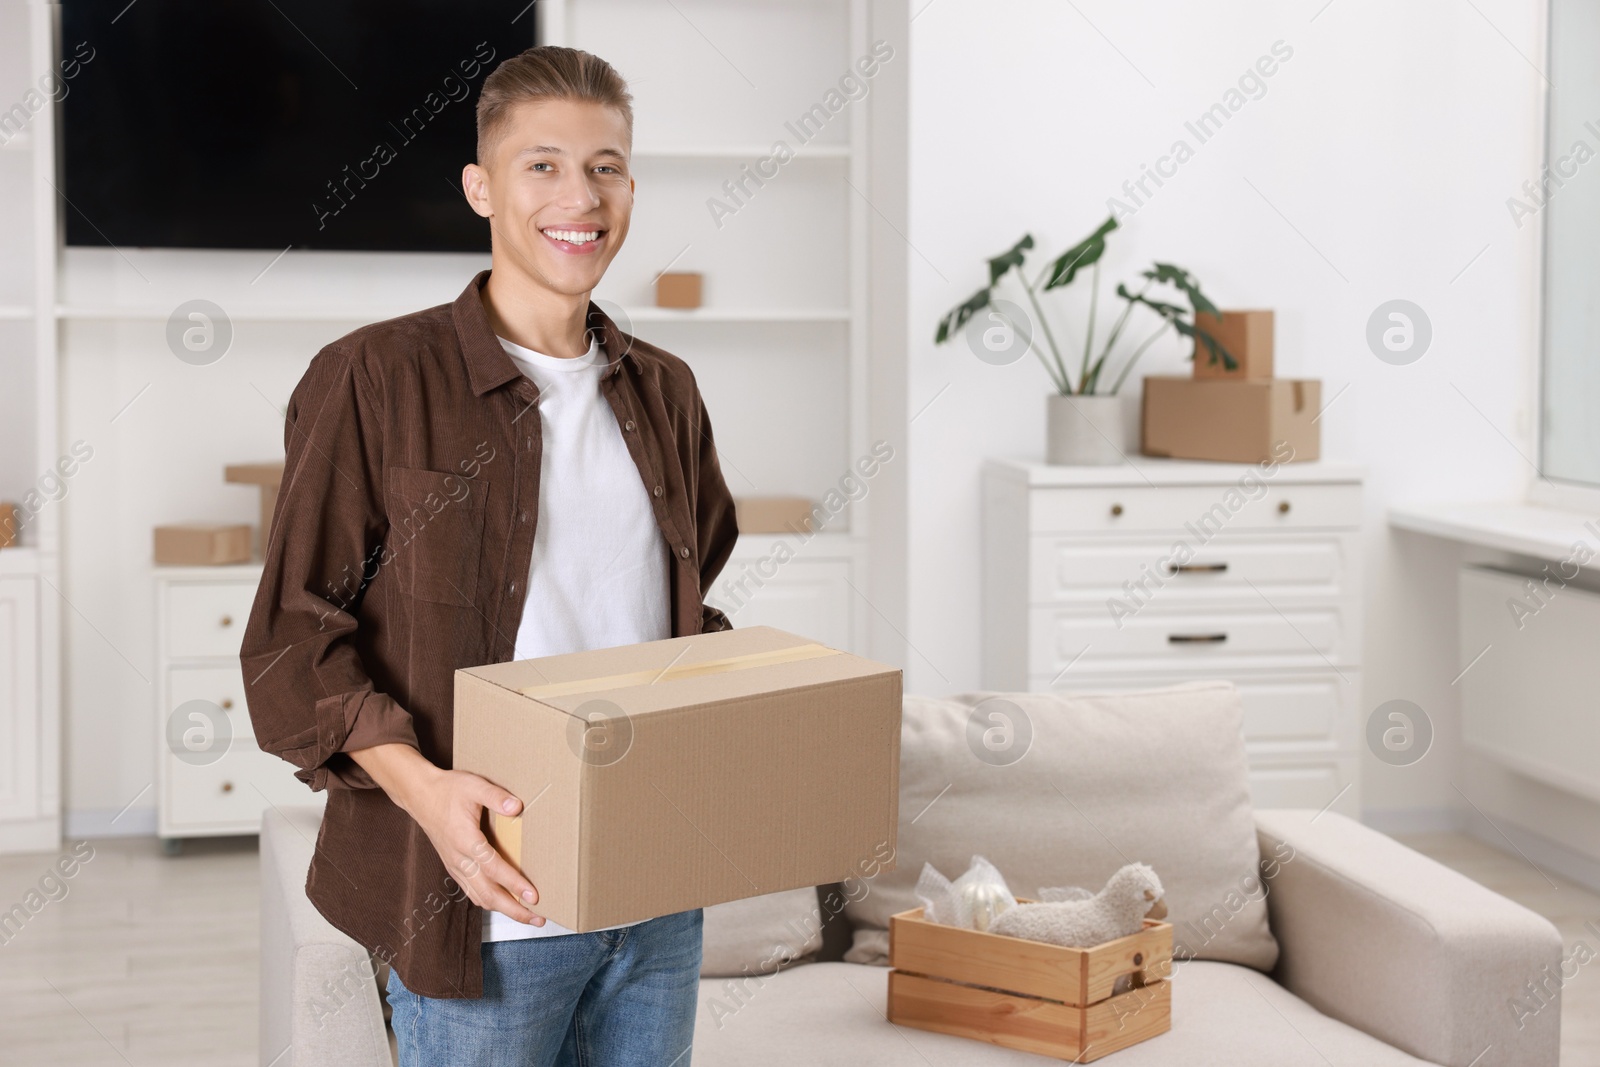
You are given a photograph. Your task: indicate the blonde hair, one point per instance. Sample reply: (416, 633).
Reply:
(548, 72)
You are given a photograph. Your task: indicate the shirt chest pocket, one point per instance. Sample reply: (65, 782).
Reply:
(436, 525)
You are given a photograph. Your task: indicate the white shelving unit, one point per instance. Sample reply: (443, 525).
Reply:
(750, 151)
(30, 576)
(780, 350)
(357, 315)
(840, 164)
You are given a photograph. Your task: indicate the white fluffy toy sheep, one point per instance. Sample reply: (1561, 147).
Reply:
(1118, 910)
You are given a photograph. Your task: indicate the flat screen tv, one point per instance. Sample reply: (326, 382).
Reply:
(271, 124)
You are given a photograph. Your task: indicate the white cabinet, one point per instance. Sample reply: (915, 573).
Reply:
(1161, 571)
(20, 750)
(31, 446)
(809, 592)
(214, 779)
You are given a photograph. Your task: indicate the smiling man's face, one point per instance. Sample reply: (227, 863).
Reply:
(557, 191)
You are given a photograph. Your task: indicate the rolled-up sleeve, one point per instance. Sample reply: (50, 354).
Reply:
(310, 699)
(716, 525)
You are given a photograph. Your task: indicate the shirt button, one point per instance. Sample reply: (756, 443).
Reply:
(684, 551)
(524, 516)
(628, 426)
(513, 587)
(530, 443)
(658, 490)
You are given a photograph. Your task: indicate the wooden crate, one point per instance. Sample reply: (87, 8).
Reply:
(1029, 995)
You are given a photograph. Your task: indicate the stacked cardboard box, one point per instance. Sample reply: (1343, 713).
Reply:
(1240, 414)
(199, 544)
(774, 514)
(266, 475)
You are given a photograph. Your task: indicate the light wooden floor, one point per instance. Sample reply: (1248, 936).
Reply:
(150, 959)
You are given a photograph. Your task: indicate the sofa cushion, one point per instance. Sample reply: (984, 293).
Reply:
(1088, 784)
(832, 1015)
(760, 934)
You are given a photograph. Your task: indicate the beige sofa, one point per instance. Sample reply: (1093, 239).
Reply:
(1339, 945)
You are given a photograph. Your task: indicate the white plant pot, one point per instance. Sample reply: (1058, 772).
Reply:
(1087, 431)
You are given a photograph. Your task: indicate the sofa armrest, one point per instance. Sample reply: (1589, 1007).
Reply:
(319, 996)
(1387, 940)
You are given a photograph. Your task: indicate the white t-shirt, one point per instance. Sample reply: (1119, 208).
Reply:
(599, 576)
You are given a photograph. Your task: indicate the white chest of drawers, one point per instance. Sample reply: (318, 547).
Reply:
(1161, 571)
(208, 788)
(213, 778)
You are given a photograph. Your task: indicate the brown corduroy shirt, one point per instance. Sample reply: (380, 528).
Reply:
(400, 551)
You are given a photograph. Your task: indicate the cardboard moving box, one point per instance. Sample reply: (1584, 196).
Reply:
(1232, 421)
(269, 476)
(202, 544)
(1247, 337)
(682, 773)
(774, 514)
(681, 290)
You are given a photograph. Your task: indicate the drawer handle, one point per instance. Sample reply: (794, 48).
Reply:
(1116, 509)
(227, 703)
(227, 620)
(227, 787)
(1198, 568)
(1283, 507)
(1196, 639)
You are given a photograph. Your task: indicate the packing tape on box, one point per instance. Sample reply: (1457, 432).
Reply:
(652, 675)
(505, 834)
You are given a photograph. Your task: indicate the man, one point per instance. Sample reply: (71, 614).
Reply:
(503, 477)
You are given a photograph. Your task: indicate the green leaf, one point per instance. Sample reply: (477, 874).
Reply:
(1012, 257)
(1213, 347)
(1177, 276)
(1160, 307)
(1083, 254)
(1190, 286)
(958, 317)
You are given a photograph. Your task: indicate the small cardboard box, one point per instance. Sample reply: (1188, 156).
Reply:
(682, 773)
(1247, 335)
(774, 514)
(10, 526)
(678, 291)
(1232, 421)
(1030, 995)
(266, 475)
(202, 544)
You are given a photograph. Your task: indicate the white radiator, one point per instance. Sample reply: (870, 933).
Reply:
(1530, 697)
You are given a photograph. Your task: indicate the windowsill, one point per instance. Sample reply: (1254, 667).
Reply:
(1527, 529)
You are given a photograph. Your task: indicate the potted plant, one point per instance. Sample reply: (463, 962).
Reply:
(1084, 423)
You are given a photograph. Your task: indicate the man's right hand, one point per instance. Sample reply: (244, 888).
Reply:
(449, 807)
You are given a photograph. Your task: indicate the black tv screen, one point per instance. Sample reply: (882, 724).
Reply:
(270, 124)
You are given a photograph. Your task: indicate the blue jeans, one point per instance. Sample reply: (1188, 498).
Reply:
(612, 998)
